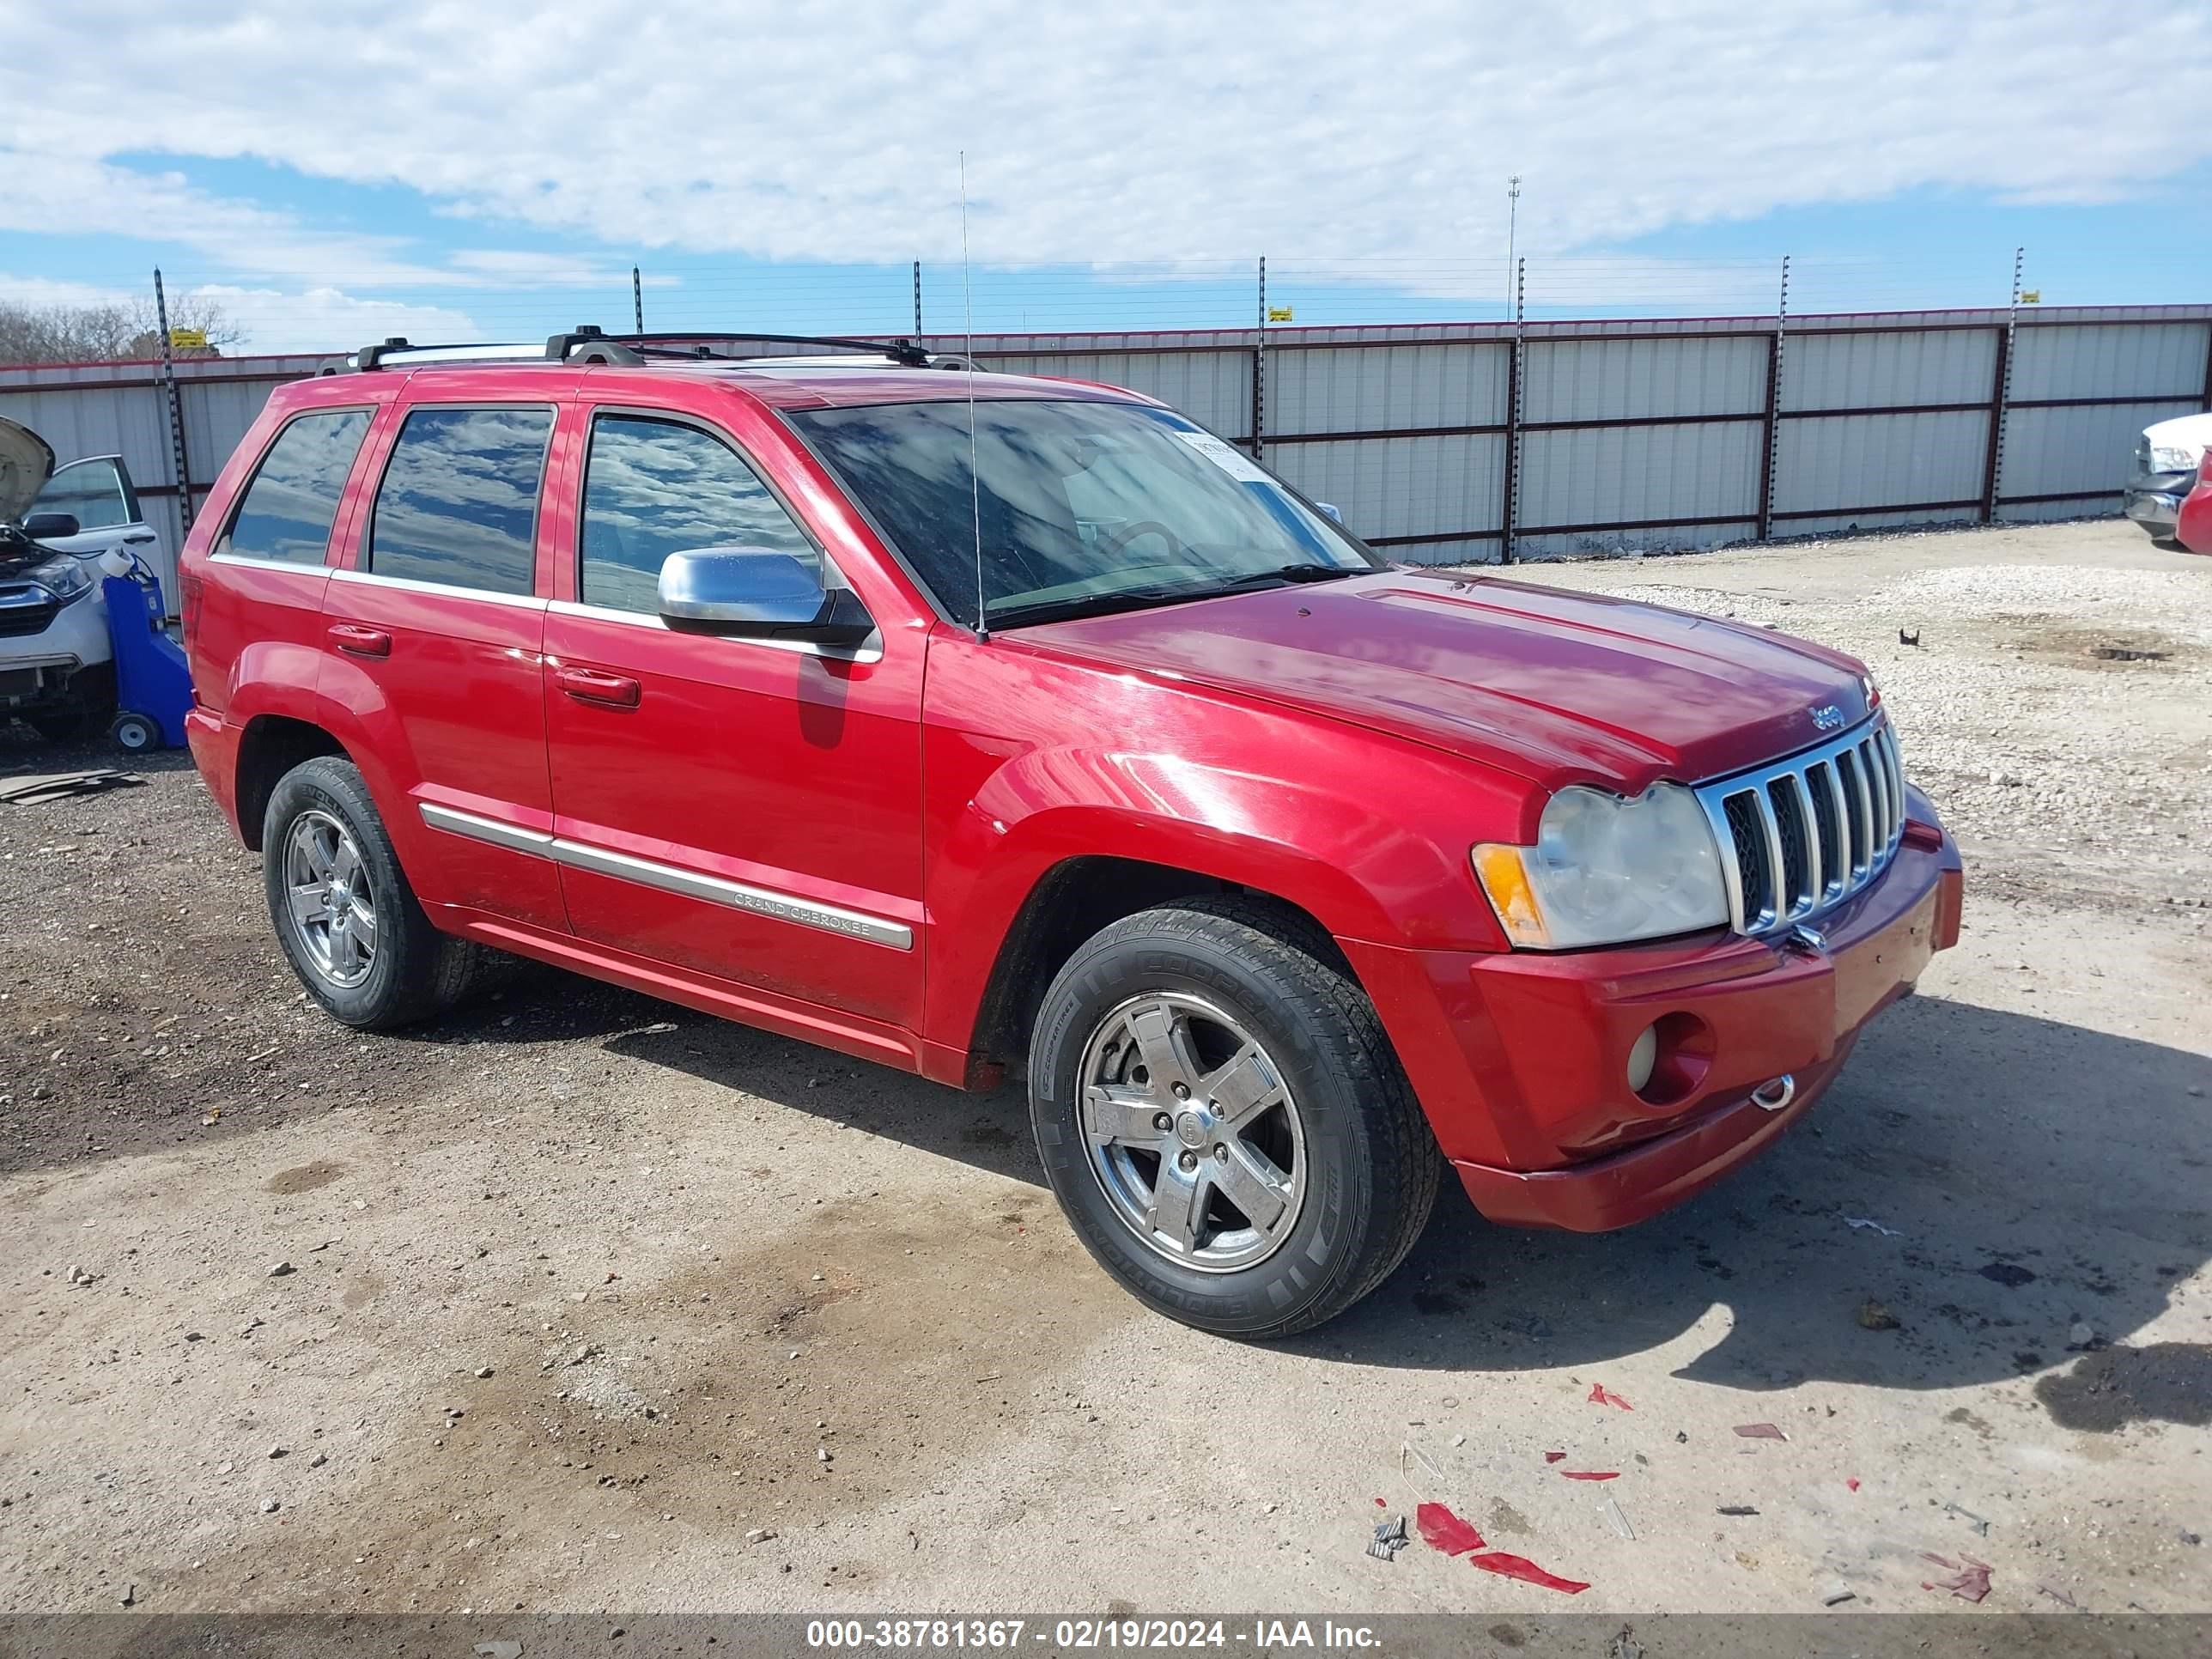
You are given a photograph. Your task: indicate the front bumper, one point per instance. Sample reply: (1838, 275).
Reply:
(1529, 1097)
(2157, 509)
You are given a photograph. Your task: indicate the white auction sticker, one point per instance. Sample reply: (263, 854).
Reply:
(1229, 461)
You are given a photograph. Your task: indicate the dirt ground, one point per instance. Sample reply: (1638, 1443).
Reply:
(590, 1303)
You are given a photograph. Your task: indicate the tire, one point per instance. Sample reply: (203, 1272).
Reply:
(409, 970)
(1152, 985)
(135, 733)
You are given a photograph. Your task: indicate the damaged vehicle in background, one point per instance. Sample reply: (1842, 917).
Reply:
(61, 530)
(2167, 458)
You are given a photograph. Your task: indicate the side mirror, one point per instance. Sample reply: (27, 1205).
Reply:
(43, 526)
(1335, 515)
(754, 593)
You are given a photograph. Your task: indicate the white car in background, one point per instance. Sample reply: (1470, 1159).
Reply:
(2167, 458)
(61, 530)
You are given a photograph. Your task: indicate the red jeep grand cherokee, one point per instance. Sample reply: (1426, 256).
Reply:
(962, 721)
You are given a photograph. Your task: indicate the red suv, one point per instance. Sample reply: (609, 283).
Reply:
(975, 724)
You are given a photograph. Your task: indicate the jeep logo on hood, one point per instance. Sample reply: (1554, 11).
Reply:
(1826, 716)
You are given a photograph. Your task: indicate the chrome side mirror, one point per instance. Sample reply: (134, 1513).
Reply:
(757, 592)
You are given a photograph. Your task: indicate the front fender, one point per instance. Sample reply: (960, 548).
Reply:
(1374, 851)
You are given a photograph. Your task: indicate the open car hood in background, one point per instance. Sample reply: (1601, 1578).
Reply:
(27, 461)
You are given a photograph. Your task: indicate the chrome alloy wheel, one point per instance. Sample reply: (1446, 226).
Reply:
(333, 906)
(1193, 1134)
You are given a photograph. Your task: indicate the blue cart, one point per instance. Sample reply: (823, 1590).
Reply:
(153, 685)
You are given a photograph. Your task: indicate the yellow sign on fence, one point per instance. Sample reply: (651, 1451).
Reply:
(188, 339)
(2031, 296)
(1278, 313)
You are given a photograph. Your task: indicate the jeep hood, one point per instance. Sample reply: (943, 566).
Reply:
(1556, 686)
(27, 461)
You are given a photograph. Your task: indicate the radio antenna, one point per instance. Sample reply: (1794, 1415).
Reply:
(974, 477)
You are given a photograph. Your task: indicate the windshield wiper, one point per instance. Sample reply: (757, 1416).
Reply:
(1136, 598)
(1283, 573)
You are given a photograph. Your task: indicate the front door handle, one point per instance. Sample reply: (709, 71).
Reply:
(595, 685)
(358, 642)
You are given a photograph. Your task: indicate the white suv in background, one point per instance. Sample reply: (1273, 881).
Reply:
(64, 529)
(2167, 460)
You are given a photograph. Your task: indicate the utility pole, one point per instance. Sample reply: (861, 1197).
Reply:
(1259, 367)
(1512, 226)
(917, 302)
(637, 298)
(176, 406)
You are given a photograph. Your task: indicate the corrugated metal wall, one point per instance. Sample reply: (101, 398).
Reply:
(1431, 437)
(120, 409)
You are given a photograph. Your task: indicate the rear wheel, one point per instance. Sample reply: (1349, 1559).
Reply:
(1224, 1122)
(348, 923)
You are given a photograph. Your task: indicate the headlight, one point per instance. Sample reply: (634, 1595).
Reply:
(64, 577)
(1605, 871)
(2167, 458)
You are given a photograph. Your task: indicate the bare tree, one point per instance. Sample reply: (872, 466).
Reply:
(110, 332)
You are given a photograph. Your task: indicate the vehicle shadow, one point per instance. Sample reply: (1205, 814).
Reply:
(2024, 1177)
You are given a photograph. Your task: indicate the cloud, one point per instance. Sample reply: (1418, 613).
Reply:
(324, 318)
(1141, 132)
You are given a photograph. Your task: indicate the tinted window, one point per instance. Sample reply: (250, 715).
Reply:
(653, 488)
(459, 503)
(287, 509)
(91, 492)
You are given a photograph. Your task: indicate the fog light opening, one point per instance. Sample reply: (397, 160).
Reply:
(1643, 1056)
(1668, 1062)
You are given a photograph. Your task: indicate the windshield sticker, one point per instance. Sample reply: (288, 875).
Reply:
(1231, 461)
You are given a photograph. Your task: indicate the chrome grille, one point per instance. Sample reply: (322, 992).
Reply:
(1805, 833)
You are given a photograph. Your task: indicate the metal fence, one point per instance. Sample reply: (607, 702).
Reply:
(1478, 442)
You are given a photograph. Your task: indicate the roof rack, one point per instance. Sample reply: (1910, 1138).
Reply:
(587, 344)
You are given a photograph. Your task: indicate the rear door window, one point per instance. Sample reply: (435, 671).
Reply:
(652, 488)
(459, 503)
(286, 510)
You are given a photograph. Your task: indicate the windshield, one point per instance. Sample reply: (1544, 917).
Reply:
(1081, 507)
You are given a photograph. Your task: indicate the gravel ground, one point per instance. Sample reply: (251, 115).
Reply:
(588, 1302)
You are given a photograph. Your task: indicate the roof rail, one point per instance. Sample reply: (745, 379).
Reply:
(908, 353)
(588, 343)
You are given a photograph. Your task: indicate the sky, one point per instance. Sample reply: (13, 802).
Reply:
(334, 173)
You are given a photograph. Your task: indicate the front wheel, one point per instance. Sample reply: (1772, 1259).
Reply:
(1223, 1120)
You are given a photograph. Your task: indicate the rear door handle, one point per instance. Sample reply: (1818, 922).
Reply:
(358, 642)
(594, 685)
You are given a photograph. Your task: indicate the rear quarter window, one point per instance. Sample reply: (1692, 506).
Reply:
(287, 512)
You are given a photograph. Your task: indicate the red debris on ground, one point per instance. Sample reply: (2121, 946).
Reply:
(1554, 1457)
(1852, 1482)
(1446, 1533)
(1589, 1474)
(1601, 1396)
(1521, 1567)
(1382, 1502)
(1443, 1531)
(1760, 1431)
(1969, 1584)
